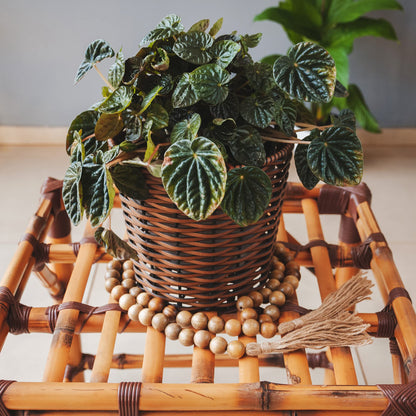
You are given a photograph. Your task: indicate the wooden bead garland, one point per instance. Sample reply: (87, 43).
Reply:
(199, 329)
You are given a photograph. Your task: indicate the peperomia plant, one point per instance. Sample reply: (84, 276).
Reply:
(193, 108)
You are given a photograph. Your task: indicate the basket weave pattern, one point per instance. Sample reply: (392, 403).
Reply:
(205, 264)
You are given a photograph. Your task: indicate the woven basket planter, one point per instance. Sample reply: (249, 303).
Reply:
(205, 264)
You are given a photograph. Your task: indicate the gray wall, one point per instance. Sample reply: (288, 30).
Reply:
(42, 43)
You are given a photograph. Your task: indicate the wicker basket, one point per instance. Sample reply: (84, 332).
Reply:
(206, 264)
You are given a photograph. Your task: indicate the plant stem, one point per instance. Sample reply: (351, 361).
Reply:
(281, 140)
(103, 78)
(155, 151)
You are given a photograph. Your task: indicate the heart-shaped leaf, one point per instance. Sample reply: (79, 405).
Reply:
(170, 26)
(96, 52)
(224, 51)
(186, 129)
(247, 146)
(194, 47)
(229, 108)
(72, 192)
(159, 116)
(308, 179)
(114, 245)
(247, 195)
(130, 181)
(133, 125)
(118, 101)
(210, 83)
(194, 176)
(108, 126)
(149, 98)
(336, 157)
(98, 190)
(258, 110)
(116, 71)
(260, 76)
(184, 94)
(84, 122)
(285, 115)
(306, 73)
(345, 118)
(200, 26)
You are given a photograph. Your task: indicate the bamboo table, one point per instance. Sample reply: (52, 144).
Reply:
(64, 267)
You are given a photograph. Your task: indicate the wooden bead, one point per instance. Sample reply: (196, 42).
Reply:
(265, 318)
(202, 338)
(199, 321)
(218, 345)
(248, 313)
(277, 298)
(279, 249)
(273, 284)
(250, 327)
(292, 280)
(186, 337)
(265, 291)
(170, 312)
(134, 311)
(128, 274)
(128, 283)
(110, 283)
(244, 302)
(156, 304)
(216, 324)
(277, 264)
(277, 274)
(172, 331)
(236, 349)
(257, 298)
(135, 290)
(146, 316)
(159, 322)
(268, 329)
(112, 273)
(126, 301)
(114, 264)
(273, 311)
(233, 327)
(143, 298)
(183, 318)
(293, 272)
(128, 265)
(118, 291)
(292, 265)
(287, 289)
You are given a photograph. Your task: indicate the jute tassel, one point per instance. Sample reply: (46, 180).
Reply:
(344, 330)
(355, 290)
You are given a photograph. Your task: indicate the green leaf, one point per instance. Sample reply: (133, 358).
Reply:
(216, 27)
(118, 101)
(130, 181)
(96, 52)
(133, 125)
(224, 51)
(114, 245)
(194, 47)
(84, 122)
(356, 102)
(346, 118)
(229, 108)
(116, 71)
(111, 154)
(247, 195)
(159, 116)
(161, 60)
(77, 148)
(72, 192)
(108, 126)
(200, 26)
(149, 98)
(184, 94)
(308, 179)
(340, 56)
(336, 157)
(340, 90)
(285, 115)
(170, 26)
(186, 129)
(223, 130)
(306, 73)
(150, 148)
(260, 76)
(194, 176)
(98, 190)
(250, 41)
(247, 146)
(341, 11)
(210, 83)
(258, 110)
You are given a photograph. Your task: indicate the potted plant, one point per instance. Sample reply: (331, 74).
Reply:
(197, 137)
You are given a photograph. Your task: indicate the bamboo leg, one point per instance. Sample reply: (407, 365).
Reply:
(154, 353)
(75, 356)
(248, 366)
(67, 318)
(342, 359)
